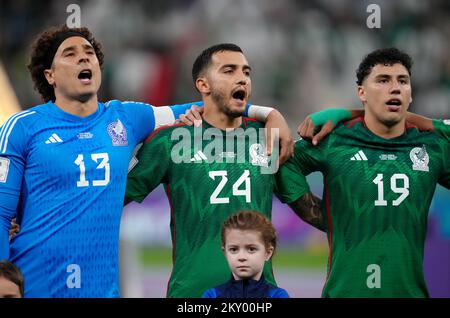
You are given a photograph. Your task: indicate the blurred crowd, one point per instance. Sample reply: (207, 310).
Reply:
(303, 53)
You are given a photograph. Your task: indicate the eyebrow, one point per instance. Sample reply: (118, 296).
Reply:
(73, 47)
(387, 76)
(234, 66)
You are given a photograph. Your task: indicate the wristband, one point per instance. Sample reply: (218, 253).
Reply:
(259, 113)
(336, 115)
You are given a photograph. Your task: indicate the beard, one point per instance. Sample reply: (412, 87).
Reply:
(220, 100)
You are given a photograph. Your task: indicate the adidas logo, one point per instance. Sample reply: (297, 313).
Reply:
(54, 139)
(199, 156)
(359, 156)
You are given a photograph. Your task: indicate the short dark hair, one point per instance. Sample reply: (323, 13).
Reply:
(39, 57)
(387, 56)
(202, 61)
(12, 273)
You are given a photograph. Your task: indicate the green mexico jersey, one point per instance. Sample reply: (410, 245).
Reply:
(208, 175)
(377, 193)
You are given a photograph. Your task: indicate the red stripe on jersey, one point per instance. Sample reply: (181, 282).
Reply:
(247, 120)
(154, 132)
(174, 240)
(352, 122)
(330, 231)
(250, 119)
(409, 125)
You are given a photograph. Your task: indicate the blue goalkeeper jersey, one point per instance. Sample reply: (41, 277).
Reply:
(64, 177)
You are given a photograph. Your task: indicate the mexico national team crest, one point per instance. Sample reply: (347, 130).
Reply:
(258, 156)
(420, 159)
(118, 133)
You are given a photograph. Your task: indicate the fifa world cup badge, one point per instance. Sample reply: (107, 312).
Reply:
(4, 167)
(420, 159)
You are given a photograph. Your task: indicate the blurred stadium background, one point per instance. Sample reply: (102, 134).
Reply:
(303, 55)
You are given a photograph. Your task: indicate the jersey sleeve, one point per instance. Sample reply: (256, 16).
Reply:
(210, 293)
(146, 118)
(164, 117)
(153, 160)
(178, 110)
(279, 293)
(442, 127)
(336, 115)
(444, 178)
(291, 181)
(13, 142)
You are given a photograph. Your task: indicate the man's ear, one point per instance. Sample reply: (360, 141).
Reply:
(49, 76)
(202, 85)
(360, 91)
(409, 104)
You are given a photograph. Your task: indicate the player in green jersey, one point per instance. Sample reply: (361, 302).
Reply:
(209, 173)
(380, 175)
(318, 125)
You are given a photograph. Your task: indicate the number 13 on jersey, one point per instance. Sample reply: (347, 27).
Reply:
(104, 164)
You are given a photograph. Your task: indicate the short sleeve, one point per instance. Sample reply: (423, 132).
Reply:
(291, 181)
(153, 160)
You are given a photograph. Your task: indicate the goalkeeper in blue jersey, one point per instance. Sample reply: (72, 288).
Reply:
(63, 169)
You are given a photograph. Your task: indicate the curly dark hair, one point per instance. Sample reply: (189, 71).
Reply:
(389, 56)
(42, 47)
